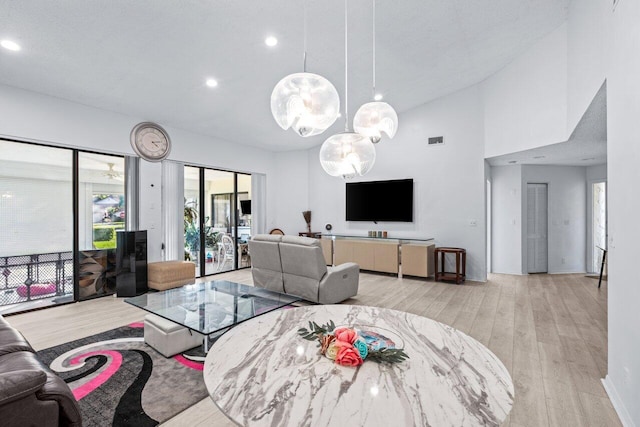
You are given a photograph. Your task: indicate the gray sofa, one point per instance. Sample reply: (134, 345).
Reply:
(296, 266)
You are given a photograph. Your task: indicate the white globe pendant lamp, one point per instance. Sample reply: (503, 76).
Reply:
(348, 154)
(305, 102)
(375, 118)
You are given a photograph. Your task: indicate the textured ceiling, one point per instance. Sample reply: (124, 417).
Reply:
(150, 58)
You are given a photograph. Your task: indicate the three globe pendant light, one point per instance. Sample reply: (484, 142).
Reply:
(309, 104)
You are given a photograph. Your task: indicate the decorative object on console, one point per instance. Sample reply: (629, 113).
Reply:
(150, 141)
(351, 347)
(375, 118)
(347, 154)
(328, 227)
(307, 219)
(306, 102)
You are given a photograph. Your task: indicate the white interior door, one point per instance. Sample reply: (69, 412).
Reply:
(537, 246)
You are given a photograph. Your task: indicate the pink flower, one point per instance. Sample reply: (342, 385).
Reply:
(346, 335)
(348, 356)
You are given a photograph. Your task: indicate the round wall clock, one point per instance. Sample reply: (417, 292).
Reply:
(150, 141)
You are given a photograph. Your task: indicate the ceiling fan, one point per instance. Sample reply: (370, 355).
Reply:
(112, 174)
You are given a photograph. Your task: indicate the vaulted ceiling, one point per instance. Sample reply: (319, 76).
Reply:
(150, 58)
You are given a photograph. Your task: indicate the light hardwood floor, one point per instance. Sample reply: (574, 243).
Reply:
(549, 331)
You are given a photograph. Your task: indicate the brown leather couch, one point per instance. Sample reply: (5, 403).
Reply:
(30, 393)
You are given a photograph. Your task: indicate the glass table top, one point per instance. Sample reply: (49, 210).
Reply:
(210, 307)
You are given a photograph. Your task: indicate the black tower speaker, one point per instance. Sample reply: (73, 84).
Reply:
(131, 263)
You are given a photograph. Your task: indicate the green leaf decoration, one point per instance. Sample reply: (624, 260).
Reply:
(388, 355)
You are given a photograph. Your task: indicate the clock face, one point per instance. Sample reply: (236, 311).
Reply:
(150, 142)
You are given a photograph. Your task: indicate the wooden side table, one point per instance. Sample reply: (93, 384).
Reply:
(461, 265)
(313, 234)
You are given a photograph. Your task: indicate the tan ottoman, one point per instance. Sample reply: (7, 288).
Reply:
(170, 274)
(167, 337)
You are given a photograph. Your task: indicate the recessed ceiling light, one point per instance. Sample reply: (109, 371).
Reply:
(513, 161)
(378, 97)
(10, 45)
(271, 41)
(539, 157)
(212, 82)
(588, 158)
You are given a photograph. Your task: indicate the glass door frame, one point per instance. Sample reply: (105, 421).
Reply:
(202, 215)
(75, 202)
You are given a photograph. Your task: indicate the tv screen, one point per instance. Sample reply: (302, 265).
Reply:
(380, 201)
(245, 206)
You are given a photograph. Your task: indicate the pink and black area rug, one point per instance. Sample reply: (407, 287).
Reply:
(119, 380)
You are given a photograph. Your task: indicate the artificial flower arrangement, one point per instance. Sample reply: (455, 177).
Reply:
(349, 347)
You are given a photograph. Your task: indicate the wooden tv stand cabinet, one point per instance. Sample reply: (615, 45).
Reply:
(410, 257)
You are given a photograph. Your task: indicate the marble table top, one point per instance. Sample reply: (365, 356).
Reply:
(262, 373)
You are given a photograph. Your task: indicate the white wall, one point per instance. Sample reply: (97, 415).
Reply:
(525, 104)
(506, 224)
(448, 179)
(567, 215)
(292, 181)
(587, 41)
(26, 115)
(623, 156)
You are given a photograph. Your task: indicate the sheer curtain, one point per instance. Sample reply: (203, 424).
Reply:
(258, 203)
(173, 210)
(131, 192)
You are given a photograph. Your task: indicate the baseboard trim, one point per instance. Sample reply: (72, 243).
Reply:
(623, 414)
(568, 272)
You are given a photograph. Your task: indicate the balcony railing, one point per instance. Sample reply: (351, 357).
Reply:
(31, 277)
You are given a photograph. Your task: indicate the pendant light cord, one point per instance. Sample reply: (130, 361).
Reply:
(374, 48)
(304, 36)
(346, 68)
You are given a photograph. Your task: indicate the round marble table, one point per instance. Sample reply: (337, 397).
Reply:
(262, 373)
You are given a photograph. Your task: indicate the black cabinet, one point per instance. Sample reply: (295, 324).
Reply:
(131, 263)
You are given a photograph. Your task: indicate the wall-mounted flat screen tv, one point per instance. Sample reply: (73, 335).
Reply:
(390, 201)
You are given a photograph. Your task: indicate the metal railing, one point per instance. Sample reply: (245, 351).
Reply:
(30, 277)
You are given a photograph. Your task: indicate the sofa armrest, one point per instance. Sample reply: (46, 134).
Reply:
(339, 284)
(57, 390)
(15, 385)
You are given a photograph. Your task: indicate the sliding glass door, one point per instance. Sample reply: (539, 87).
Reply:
(101, 212)
(216, 227)
(59, 211)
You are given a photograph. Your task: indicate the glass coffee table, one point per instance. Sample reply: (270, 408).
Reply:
(212, 307)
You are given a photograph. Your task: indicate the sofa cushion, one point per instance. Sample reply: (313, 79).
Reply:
(299, 240)
(267, 238)
(304, 260)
